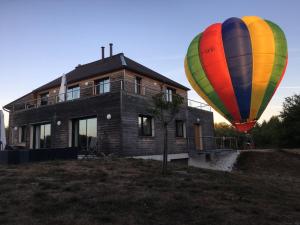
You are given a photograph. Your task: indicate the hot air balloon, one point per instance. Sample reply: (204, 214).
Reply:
(236, 67)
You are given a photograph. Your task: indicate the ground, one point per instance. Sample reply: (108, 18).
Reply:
(264, 189)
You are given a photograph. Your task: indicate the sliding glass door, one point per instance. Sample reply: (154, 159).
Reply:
(85, 133)
(42, 136)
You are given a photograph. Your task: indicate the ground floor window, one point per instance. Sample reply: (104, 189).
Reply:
(84, 133)
(180, 128)
(22, 134)
(145, 125)
(42, 136)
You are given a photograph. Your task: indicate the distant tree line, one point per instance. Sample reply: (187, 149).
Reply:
(281, 131)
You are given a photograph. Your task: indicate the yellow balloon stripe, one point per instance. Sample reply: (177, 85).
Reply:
(263, 50)
(197, 89)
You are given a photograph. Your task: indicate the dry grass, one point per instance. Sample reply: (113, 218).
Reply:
(264, 190)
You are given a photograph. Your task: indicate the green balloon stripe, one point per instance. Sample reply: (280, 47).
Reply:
(278, 67)
(200, 78)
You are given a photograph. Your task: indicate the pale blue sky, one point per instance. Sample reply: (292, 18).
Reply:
(41, 40)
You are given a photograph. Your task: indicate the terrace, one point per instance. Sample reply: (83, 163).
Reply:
(100, 89)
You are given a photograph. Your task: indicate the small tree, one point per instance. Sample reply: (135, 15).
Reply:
(166, 111)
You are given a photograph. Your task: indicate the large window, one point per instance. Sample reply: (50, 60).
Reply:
(44, 98)
(102, 86)
(85, 133)
(180, 128)
(42, 136)
(145, 125)
(169, 94)
(73, 93)
(137, 88)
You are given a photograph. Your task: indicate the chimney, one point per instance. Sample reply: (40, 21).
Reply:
(111, 49)
(103, 52)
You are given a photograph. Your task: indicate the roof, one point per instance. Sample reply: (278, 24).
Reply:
(107, 65)
(103, 66)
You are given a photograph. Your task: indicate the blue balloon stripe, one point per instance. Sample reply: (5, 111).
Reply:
(238, 52)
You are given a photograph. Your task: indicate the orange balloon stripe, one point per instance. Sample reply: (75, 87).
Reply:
(214, 63)
(263, 53)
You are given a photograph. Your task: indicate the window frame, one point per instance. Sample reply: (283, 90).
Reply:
(141, 130)
(70, 90)
(138, 85)
(76, 131)
(177, 134)
(38, 136)
(22, 134)
(98, 86)
(44, 98)
(169, 94)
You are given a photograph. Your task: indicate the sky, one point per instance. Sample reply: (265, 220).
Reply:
(41, 40)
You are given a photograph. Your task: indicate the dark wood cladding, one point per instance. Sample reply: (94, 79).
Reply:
(118, 135)
(204, 119)
(98, 106)
(134, 145)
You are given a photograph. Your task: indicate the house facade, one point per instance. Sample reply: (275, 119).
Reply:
(107, 106)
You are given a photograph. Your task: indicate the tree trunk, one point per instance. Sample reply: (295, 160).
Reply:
(165, 153)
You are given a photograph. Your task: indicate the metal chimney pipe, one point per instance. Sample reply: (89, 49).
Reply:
(111, 49)
(103, 56)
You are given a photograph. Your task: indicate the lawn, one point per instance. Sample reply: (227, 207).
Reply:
(264, 189)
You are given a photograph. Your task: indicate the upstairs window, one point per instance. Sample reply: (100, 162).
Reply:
(145, 125)
(44, 98)
(137, 85)
(29, 105)
(73, 92)
(169, 94)
(102, 86)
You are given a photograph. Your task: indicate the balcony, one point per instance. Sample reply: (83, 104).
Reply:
(91, 90)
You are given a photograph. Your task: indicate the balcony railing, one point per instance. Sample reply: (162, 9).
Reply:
(199, 105)
(126, 86)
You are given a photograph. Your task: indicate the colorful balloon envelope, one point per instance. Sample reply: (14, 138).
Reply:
(237, 66)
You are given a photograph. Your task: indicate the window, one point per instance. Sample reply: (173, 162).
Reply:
(102, 86)
(169, 94)
(180, 128)
(137, 87)
(44, 98)
(29, 106)
(42, 136)
(85, 133)
(22, 134)
(73, 92)
(145, 126)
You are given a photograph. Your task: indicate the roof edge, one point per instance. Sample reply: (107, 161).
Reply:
(8, 105)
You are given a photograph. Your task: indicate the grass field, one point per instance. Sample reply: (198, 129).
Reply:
(264, 189)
